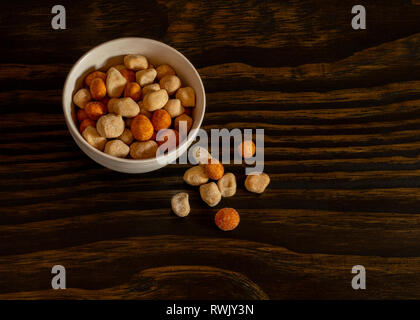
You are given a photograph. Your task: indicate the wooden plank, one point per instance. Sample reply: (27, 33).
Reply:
(341, 114)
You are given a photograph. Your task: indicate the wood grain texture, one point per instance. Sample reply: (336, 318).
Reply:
(341, 113)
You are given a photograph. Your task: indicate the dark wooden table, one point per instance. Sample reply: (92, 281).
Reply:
(341, 113)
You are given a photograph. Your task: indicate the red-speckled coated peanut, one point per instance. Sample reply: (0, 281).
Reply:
(227, 219)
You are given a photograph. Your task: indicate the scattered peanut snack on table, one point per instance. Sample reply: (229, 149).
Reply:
(227, 185)
(180, 204)
(214, 169)
(227, 219)
(246, 149)
(120, 110)
(196, 176)
(211, 193)
(257, 182)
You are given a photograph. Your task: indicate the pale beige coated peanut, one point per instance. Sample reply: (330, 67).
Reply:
(82, 97)
(125, 107)
(187, 96)
(136, 62)
(174, 107)
(117, 148)
(143, 150)
(115, 83)
(257, 183)
(210, 194)
(110, 125)
(196, 176)
(145, 77)
(93, 138)
(155, 100)
(227, 185)
(170, 83)
(180, 204)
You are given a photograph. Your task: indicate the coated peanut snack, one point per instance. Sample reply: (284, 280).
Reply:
(214, 169)
(121, 110)
(180, 204)
(210, 194)
(227, 185)
(117, 148)
(167, 139)
(227, 219)
(196, 176)
(246, 149)
(257, 182)
(94, 138)
(143, 150)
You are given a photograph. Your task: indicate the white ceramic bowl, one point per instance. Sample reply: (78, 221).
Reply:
(112, 53)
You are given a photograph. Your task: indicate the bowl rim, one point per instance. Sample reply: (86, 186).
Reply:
(191, 135)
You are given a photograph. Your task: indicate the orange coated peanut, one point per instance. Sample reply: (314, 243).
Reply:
(128, 74)
(142, 128)
(227, 219)
(214, 169)
(133, 90)
(86, 123)
(95, 110)
(81, 115)
(97, 89)
(161, 120)
(93, 75)
(246, 149)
